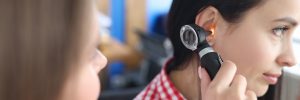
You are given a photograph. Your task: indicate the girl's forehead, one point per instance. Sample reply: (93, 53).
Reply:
(280, 7)
(275, 11)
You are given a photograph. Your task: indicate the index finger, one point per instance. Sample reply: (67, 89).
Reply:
(225, 75)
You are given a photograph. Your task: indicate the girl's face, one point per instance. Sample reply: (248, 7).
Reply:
(85, 85)
(261, 44)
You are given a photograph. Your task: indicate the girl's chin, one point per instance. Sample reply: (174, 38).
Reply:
(261, 91)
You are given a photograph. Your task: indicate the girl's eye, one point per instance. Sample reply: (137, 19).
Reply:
(280, 31)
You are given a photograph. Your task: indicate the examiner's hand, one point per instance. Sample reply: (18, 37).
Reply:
(226, 85)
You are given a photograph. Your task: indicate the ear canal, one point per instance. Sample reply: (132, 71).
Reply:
(212, 32)
(212, 29)
(210, 38)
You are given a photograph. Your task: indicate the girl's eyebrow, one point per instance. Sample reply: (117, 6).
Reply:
(289, 20)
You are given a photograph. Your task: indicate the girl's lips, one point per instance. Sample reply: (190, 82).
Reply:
(271, 78)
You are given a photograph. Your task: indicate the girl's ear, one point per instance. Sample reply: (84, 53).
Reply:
(208, 19)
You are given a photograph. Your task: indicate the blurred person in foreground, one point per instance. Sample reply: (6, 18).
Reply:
(48, 50)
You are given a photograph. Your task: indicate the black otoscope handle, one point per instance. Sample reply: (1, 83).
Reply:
(212, 63)
(209, 59)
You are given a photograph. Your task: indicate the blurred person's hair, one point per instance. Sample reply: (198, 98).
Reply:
(40, 45)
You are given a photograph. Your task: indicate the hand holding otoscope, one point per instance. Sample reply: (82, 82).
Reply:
(225, 85)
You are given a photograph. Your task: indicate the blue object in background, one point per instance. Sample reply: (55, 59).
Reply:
(156, 8)
(117, 80)
(116, 69)
(118, 19)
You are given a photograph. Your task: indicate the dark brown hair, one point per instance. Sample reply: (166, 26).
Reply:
(40, 43)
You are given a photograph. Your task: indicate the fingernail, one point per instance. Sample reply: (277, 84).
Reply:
(200, 72)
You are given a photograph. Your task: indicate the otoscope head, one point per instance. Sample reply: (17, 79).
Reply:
(192, 36)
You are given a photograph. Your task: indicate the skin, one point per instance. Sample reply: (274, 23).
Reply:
(258, 45)
(85, 85)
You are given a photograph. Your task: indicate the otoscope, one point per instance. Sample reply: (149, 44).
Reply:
(193, 38)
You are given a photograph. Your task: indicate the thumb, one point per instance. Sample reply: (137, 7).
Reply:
(205, 80)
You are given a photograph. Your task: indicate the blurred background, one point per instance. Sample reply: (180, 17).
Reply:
(133, 38)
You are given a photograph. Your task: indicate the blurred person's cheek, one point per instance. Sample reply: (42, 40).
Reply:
(89, 84)
(84, 85)
(98, 62)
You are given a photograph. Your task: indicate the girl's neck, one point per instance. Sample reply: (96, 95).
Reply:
(186, 80)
